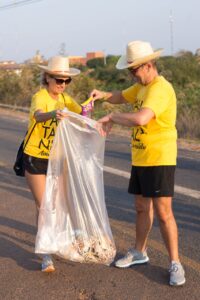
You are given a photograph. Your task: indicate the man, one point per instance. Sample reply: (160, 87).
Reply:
(154, 151)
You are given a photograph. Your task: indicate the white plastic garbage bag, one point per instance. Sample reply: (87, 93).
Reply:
(73, 221)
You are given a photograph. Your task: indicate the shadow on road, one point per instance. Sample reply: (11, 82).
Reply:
(14, 245)
(153, 273)
(12, 183)
(23, 258)
(14, 224)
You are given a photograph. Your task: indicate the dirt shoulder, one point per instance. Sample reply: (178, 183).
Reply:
(192, 145)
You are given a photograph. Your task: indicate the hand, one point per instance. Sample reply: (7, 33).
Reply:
(100, 129)
(106, 123)
(60, 115)
(96, 94)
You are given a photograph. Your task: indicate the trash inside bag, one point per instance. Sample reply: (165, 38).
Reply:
(73, 221)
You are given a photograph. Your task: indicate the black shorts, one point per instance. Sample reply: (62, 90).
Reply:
(35, 165)
(154, 182)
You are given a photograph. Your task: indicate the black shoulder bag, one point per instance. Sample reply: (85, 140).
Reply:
(19, 165)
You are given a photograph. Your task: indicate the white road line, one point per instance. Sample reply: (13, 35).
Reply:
(178, 189)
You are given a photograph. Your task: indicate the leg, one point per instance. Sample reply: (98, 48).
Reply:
(36, 184)
(144, 221)
(168, 227)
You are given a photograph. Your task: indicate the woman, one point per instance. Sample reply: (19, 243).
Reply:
(46, 111)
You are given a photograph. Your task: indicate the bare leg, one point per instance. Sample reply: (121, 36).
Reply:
(168, 227)
(36, 184)
(144, 221)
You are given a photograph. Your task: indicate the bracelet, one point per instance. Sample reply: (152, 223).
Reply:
(53, 113)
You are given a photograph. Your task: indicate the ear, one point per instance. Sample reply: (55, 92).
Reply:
(47, 78)
(149, 65)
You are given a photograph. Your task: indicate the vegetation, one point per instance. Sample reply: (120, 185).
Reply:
(182, 71)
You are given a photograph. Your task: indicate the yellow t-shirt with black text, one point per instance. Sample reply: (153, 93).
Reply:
(41, 139)
(154, 144)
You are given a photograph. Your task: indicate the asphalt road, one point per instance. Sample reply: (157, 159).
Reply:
(20, 276)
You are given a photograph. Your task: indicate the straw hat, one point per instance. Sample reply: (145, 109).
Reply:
(59, 65)
(137, 53)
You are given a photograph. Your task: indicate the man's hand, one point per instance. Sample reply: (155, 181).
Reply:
(106, 123)
(96, 94)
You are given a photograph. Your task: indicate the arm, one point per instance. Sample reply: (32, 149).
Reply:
(40, 116)
(112, 97)
(140, 118)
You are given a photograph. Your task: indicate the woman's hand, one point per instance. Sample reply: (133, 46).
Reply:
(59, 114)
(41, 116)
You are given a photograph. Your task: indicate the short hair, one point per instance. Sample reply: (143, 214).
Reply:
(154, 63)
(44, 79)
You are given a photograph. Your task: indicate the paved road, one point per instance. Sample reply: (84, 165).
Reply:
(20, 277)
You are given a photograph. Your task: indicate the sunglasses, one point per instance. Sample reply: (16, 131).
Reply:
(61, 81)
(134, 70)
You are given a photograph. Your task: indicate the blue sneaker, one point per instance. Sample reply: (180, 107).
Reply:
(47, 264)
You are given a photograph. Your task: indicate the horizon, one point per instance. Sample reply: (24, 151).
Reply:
(80, 27)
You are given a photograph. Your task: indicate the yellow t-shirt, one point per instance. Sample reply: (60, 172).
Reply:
(154, 144)
(41, 139)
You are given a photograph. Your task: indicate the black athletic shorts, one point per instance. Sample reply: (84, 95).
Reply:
(35, 165)
(154, 182)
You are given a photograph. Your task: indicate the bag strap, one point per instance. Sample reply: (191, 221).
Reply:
(24, 146)
(63, 97)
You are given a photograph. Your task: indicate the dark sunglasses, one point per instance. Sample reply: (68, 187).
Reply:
(134, 70)
(61, 81)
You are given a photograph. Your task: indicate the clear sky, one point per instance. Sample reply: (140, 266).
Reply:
(92, 25)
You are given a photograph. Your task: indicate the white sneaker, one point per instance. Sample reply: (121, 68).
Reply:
(47, 264)
(133, 257)
(177, 274)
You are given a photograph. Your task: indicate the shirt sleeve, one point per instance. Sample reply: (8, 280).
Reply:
(37, 103)
(130, 94)
(72, 105)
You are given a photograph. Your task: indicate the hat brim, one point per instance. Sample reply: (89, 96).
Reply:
(123, 64)
(70, 72)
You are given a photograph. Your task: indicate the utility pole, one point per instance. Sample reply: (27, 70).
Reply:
(171, 21)
(104, 57)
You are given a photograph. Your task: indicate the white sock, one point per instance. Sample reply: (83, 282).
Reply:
(175, 262)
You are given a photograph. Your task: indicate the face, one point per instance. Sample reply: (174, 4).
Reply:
(140, 73)
(56, 84)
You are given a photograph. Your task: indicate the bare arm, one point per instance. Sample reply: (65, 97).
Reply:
(140, 118)
(112, 97)
(40, 116)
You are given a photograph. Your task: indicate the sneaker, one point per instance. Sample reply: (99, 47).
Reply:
(47, 264)
(133, 257)
(177, 274)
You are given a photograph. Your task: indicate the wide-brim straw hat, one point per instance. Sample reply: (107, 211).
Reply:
(137, 53)
(59, 65)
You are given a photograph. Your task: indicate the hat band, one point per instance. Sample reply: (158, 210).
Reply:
(60, 71)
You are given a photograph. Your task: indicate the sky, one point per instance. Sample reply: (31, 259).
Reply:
(92, 25)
